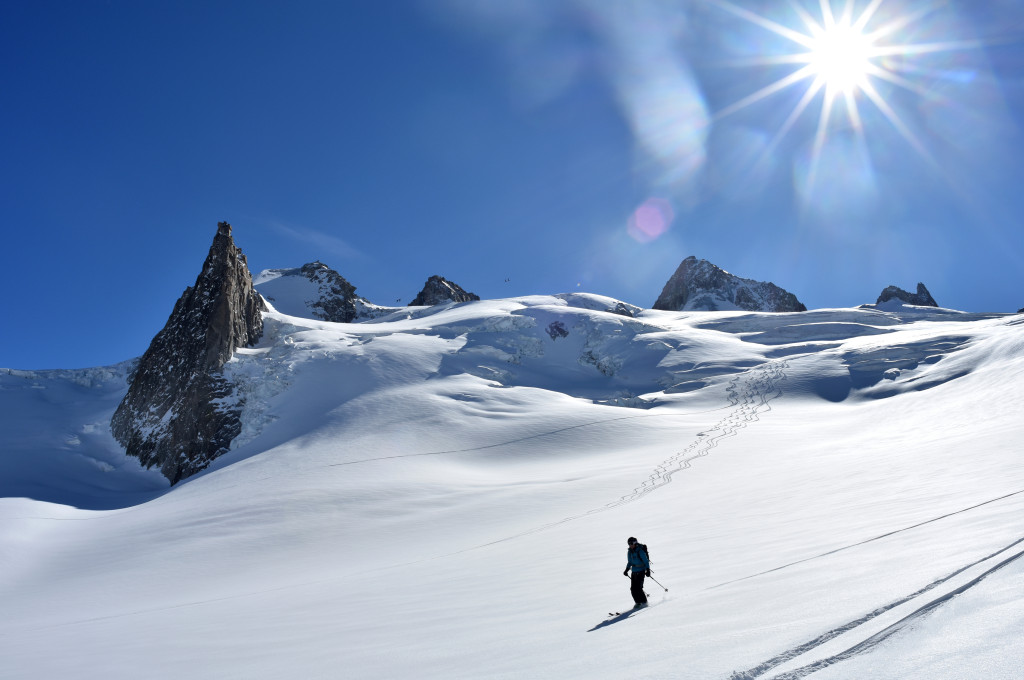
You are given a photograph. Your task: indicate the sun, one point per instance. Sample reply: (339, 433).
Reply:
(841, 56)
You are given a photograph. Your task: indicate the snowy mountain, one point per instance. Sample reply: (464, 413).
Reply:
(315, 291)
(445, 492)
(438, 290)
(698, 285)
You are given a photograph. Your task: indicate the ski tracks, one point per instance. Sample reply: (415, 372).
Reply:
(749, 394)
(865, 633)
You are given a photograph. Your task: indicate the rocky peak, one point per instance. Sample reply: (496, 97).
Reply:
(313, 290)
(438, 289)
(177, 413)
(922, 298)
(698, 285)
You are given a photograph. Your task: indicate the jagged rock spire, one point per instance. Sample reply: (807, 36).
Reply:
(176, 413)
(922, 298)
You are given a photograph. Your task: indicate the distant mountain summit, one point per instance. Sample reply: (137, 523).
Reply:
(438, 289)
(698, 285)
(921, 298)
(313, 290)
(178, 413)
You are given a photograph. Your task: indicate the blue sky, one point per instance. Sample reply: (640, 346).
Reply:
(563, 144)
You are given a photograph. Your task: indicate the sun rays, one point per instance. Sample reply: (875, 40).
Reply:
(842, 56)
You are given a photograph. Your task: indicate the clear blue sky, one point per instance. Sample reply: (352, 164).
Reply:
(562, 144)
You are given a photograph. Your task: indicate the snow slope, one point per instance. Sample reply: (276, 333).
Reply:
(446, 493)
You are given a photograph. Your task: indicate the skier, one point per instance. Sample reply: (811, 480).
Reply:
(636, 559)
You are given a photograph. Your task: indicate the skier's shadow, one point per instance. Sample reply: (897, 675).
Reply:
(621, 617)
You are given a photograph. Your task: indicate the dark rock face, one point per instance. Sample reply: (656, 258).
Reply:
(922, 298)
(622, 309)
(557, 329)
(439, 289)
(698, 285)
(338, 301)
(178, 412)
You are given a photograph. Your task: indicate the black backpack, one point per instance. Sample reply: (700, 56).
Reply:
(646, 551)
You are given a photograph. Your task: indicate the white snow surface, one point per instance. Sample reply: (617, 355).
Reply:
(286, 290)
(445, 492)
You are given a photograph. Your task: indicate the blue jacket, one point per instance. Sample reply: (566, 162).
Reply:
(637, 559)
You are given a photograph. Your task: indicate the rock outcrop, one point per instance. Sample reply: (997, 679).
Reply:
(179, 412)
(313, 290)
(921, 298)
(698, 285)
(438, 289)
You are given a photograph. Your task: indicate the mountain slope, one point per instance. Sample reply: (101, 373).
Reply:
(446, 492)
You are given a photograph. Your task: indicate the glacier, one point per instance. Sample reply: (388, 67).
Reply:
(445, 492)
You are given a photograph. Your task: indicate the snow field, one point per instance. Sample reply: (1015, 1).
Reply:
(441, 493)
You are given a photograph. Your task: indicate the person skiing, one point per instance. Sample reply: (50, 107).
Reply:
(636, 559)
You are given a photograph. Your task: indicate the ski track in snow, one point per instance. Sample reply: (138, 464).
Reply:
(869, 540)
(991, 563)
(748, 392)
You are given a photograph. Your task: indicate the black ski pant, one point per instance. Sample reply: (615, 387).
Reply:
(636, 587)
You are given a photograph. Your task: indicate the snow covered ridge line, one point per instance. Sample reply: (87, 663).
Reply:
(85, 377)
(182, 412)
(315, 290)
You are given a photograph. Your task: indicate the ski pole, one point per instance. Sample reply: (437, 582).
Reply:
(655, 580)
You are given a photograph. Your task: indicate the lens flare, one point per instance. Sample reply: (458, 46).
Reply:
(650, 220)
